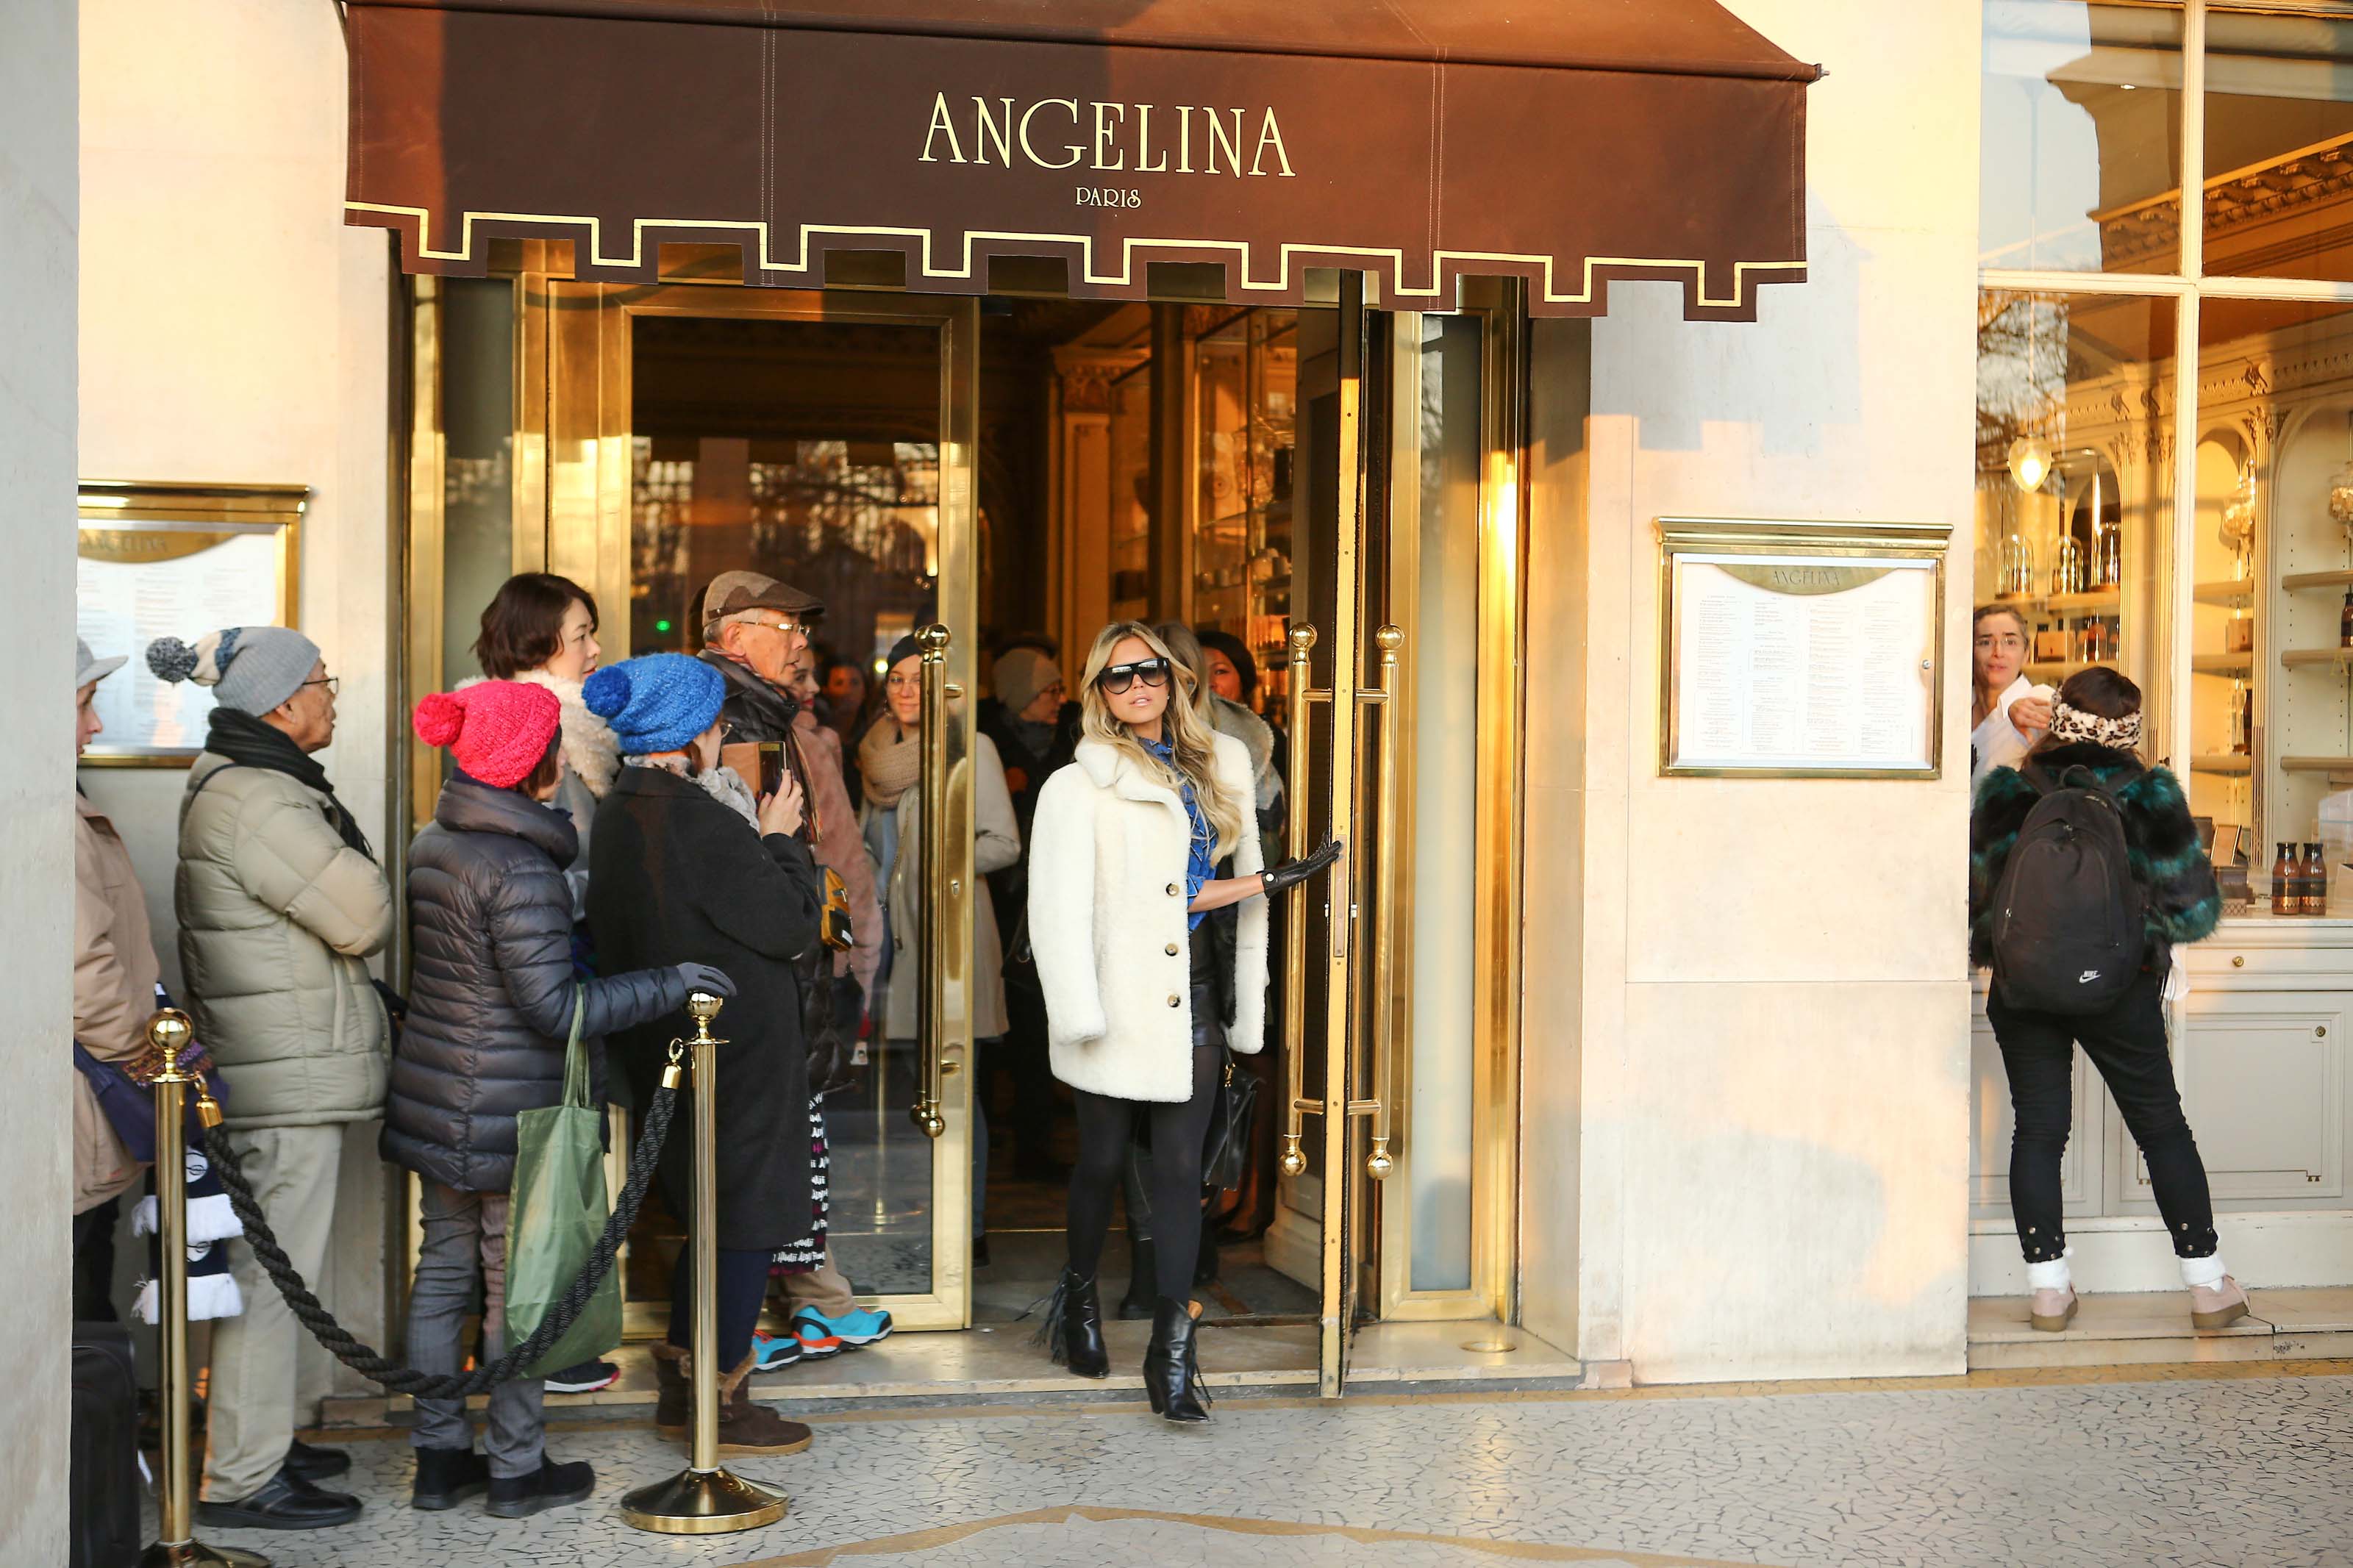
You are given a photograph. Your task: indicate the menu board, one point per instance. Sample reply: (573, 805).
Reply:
(1806, 664)
(135, 582)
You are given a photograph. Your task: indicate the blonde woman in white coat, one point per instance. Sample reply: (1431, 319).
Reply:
(1122, 868)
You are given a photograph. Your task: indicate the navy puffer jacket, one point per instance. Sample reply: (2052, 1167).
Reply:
(490, 992)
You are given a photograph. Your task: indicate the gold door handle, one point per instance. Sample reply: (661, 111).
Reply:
(1378, 1163)
(1302, 639)
(932, 920)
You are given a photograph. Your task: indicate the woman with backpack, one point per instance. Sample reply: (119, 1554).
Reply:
(492, 1001)
(2084, 870)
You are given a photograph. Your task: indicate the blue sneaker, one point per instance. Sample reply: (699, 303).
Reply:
(774, 1352)
(855, 1329)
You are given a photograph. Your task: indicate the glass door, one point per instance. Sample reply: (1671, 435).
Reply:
(825, 439)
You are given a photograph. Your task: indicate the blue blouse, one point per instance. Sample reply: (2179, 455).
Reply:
(1200, 868)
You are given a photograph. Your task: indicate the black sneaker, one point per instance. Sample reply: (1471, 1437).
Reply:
(586, 1378)
(447, 1477)
(285, 1502)
(314, 1464)
(513, 1497)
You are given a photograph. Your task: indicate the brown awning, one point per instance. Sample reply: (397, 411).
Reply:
(1569, 142)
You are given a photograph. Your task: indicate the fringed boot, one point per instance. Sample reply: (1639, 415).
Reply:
(1172, 1367)
(1073, 1327)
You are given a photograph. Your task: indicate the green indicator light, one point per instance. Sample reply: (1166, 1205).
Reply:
(661, 625)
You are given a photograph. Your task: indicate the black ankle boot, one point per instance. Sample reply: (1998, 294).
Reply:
(1172, 1370)
(1136, 1305)
(1074, 1327)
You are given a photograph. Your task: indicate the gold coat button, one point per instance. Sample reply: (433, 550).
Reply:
(1174, 1000)
(1172, 949)
(1172, 890)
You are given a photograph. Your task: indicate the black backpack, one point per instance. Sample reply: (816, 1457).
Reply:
(2068, 933)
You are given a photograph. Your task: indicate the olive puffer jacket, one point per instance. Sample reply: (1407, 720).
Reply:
(278, 917)
(490, 991)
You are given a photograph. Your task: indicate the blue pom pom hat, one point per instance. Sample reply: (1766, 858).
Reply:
(656, 702)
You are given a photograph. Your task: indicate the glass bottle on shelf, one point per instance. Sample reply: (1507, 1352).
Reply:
(2315, 881)
(2285, 897)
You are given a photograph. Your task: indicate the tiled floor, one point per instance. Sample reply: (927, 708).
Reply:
(2222, 1467)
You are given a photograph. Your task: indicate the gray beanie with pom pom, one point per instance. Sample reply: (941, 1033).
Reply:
(251, 669)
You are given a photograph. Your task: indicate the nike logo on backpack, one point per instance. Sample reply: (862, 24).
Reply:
(2087, 977)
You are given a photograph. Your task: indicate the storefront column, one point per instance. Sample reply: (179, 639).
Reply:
(39, 219)
(1773, 1024)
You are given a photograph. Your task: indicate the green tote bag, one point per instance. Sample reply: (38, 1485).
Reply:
(558, 1210)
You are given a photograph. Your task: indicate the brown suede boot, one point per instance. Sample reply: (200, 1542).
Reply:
(674, 1408)
(747, 1426)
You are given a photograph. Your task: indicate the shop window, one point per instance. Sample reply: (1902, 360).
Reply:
(2078, 142)
(2074, 496)
(1246, 381)
(2279, 144)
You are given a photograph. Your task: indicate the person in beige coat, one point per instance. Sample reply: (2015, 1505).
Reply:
(115, 971)
(280, 903)
(891, 746)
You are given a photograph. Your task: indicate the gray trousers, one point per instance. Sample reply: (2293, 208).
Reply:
(466, 1240)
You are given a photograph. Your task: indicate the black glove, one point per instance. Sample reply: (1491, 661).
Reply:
(1291, 873)
(702, 977)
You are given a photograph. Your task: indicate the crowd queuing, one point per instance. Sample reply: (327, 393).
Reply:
(607, 839)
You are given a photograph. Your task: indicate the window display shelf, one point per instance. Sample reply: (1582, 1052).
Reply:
(2223, 764)
(2050, 672)
(2306, 657)
(2317, 764)
(2295, 582)
(2238, 663)
(2227, 592)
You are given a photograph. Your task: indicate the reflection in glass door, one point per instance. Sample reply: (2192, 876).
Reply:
(826, 441)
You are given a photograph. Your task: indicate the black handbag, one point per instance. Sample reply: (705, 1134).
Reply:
(1224, 1149)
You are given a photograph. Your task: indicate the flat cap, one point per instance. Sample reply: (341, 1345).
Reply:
(732, 593)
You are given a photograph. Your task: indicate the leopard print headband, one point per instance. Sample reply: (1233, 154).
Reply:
(2074, 724)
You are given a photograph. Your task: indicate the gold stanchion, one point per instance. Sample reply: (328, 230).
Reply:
(704, 1498)
(169, 1032)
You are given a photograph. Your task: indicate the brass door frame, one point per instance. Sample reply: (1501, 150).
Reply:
(1500, 728)
(586, 473)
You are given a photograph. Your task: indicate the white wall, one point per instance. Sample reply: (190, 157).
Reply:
(1774, 1028)
(233, 329)
(38, 216)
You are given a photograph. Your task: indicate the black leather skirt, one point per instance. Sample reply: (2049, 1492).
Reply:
(1210, 983)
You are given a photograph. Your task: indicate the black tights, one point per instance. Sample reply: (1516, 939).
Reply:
(743, 1288)
(1106, 1127)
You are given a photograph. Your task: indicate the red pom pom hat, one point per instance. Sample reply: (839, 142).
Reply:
(496, 730)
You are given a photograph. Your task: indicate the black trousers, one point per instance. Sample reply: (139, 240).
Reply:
(2126, 1044)
(93, 1263)
(1107, 1130)
(743, 1281)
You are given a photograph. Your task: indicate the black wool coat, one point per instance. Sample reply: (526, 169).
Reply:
(489, 1001)
(675, 876)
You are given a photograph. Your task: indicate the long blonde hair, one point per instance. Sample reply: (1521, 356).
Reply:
(1194, 743)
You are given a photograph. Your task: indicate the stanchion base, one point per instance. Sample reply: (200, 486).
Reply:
(196, 1555)
(703, 1503)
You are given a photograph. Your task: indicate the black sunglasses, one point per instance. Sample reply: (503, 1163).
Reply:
(1117, 678)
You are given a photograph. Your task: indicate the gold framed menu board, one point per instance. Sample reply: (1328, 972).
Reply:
(1796, 649)
(176, 559)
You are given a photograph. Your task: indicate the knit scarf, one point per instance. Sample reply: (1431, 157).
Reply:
(888, 760)
(721, 785)
(254, 743)
(589, 748)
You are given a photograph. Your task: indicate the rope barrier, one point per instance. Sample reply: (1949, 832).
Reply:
(362, 1358)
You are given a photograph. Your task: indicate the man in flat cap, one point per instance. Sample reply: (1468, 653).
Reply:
(755, 633)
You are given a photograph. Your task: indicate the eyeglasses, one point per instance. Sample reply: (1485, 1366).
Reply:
(785, 625)
(333, 683)
(1117, 678)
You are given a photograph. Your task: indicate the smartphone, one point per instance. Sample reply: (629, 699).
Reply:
(760, 765)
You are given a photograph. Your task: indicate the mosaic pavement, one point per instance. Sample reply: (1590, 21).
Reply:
(2232, 1471)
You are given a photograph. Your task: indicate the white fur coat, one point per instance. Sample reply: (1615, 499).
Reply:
(1107, 921)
